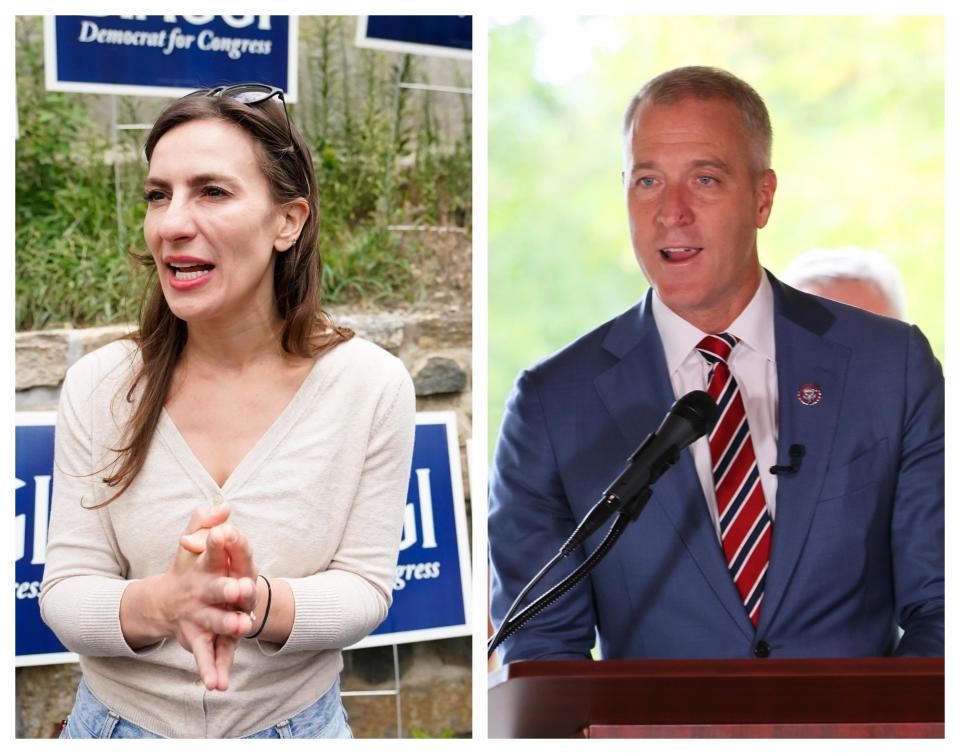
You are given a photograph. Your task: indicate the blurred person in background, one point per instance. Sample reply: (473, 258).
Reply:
(865, 279)
(230, 481)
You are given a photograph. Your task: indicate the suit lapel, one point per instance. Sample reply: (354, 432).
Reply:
(637, 393)
(804, 357)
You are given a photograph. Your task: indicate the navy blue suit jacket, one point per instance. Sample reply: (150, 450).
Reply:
(858, 537)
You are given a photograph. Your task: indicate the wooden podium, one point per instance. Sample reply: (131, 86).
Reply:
(842, 698)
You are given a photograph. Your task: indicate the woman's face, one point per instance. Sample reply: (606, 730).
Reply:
(212, 224)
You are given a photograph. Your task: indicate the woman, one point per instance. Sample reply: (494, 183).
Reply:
(240, 417)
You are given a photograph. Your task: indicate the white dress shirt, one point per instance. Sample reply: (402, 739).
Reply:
(754, 366)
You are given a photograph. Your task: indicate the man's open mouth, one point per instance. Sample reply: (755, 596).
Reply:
(680, 253)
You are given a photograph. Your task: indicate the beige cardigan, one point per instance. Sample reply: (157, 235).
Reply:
(320, 498)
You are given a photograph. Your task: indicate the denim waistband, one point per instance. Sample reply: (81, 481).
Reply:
(91, 718)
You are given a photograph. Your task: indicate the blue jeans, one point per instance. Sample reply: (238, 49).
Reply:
(325, 718)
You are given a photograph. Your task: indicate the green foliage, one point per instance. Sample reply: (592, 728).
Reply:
(69, 267)
(360, 123)
(857, 109)
(367, 264)
(383, 156)
(420, 733)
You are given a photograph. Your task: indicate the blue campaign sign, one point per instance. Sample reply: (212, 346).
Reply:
(35, 643)
(445, 36)
(169, 56)
(432, 585)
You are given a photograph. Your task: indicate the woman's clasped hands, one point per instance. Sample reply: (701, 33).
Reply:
(209, 593)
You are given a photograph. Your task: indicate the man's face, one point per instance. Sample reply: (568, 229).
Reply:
(694, 207)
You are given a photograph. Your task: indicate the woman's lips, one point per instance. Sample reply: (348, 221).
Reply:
(190, 277)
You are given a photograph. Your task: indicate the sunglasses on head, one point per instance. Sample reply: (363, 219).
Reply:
(249, 94)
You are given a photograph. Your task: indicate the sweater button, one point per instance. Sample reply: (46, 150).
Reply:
(217, 499)
(762, 649)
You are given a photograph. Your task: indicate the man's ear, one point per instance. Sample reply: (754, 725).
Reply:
(294, 215)
(766, 188)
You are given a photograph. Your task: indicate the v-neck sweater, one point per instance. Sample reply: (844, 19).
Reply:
(320, 497)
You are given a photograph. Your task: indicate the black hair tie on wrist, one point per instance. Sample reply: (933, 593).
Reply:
(266, 612)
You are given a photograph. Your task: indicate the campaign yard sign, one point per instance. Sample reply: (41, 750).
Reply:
(432, 585)
(444, 36)
(35, 643)
(169, 56)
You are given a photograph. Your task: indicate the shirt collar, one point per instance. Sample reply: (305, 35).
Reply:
(754, 326)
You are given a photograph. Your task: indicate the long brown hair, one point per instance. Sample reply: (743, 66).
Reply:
(307, 330)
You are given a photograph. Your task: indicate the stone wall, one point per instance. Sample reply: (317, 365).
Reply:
(435, 686)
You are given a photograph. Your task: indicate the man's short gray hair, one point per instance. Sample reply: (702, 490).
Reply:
(703, 82)
(819, 268)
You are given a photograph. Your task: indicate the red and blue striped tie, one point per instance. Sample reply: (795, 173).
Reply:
(745, 526)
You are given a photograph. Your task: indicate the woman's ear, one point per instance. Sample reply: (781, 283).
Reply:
(293, 215)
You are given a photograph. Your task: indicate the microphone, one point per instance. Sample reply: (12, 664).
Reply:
(689, 419)
(796, 456)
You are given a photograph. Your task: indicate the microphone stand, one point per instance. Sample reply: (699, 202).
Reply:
(628, 513)
(690, 418)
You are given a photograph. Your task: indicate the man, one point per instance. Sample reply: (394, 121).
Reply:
(825, 558)
(864, 279)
